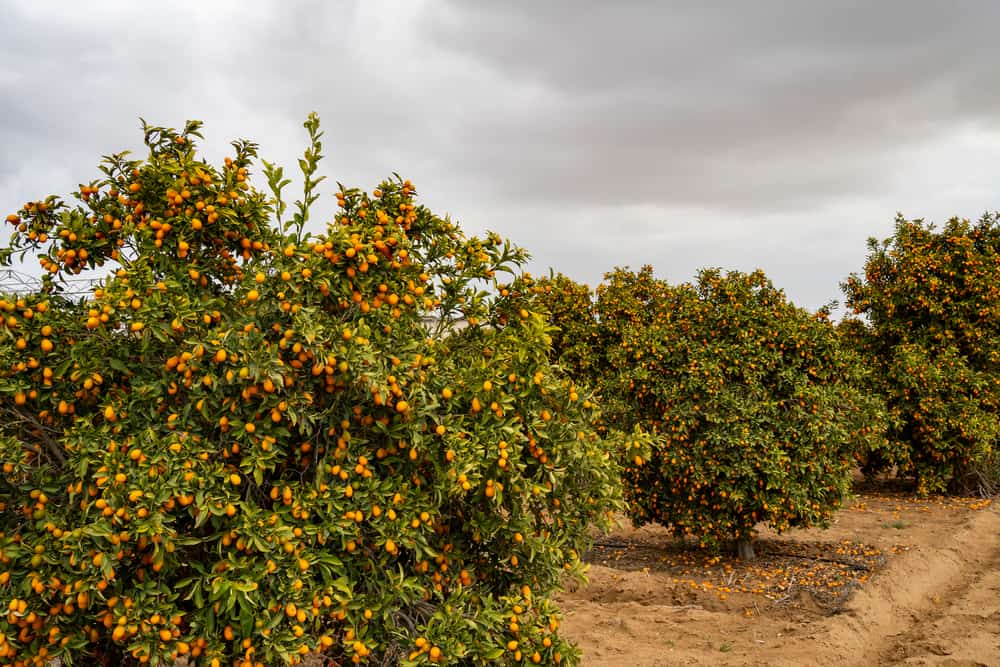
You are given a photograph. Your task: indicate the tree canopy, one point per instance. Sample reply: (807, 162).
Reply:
(245, 444)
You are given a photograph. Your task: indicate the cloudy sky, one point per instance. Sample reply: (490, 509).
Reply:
(777, 135)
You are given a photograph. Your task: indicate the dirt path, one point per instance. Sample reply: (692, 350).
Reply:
(895, 581)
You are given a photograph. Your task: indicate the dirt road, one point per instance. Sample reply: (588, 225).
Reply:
(895, 581)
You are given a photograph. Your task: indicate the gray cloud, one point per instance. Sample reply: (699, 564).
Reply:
(770, 134)
(768, 106)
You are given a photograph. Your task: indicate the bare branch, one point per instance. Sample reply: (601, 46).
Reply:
(44, 432)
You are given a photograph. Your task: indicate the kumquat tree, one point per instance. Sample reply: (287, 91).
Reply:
(754, 404)
(569, 307)
(930, 299)
(248, 445)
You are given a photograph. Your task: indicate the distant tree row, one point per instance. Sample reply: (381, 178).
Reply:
(760, 409)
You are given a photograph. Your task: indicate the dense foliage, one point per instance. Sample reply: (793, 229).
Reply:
(569, 307)
(245, 445)
(754, 402)
(931, 304)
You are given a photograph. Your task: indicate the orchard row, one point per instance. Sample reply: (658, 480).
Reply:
(247, 444)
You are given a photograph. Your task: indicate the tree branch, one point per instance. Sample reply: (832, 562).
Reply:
(51, 447)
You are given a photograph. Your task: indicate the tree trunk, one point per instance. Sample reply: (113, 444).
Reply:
(744, 550)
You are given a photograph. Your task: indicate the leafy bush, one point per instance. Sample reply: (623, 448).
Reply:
(931, 311)
(754, 402)
(569, 307)
(244, 446)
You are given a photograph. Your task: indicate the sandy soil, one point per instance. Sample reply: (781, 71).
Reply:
(894, 581)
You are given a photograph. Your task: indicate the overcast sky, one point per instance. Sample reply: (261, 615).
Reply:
(777, 135)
